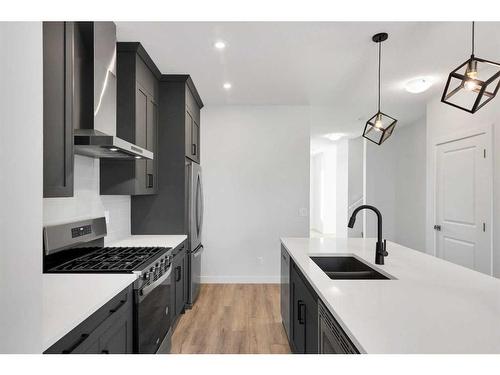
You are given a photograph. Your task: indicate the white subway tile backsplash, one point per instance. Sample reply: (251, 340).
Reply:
(87, 203)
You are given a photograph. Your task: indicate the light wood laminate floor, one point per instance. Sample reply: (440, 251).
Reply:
(232, 318)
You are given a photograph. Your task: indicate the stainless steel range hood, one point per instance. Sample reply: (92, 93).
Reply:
(96, 144)
(95, 94)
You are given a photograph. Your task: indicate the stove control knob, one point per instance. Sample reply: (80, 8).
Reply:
(146, 276)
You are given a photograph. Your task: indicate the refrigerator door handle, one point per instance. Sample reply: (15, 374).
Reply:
(197, 210)
(202, 204)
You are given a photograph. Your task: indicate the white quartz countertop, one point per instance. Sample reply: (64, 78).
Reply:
(69, 299)
(151, 240)
(432, 306)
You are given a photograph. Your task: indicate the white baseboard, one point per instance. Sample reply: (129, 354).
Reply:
(240, 279)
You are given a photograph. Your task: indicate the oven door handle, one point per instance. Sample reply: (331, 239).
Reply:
(143, 293)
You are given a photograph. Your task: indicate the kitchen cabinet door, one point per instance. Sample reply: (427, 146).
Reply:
(195, 141)
(304, 314)
(58, 62)
(188, 126)
(179, 282)
(151, 136)
(298, 322)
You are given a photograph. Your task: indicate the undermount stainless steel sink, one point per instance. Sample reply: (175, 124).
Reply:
(347, 268)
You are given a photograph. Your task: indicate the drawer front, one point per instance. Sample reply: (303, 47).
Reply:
(85, 337)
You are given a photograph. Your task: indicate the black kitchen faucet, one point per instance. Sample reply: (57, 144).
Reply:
(380, 248)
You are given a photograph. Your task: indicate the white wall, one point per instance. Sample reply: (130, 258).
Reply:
(87, 203)
(443, 120)
(21, 187)
(355, 182)
(341, 194)
(255, 162)
(380, 182)
(316, 191)
(411, 185)
(395, 184)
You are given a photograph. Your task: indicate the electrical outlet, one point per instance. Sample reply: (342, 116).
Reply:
(303, 212)
(106, 216)
(261, 260)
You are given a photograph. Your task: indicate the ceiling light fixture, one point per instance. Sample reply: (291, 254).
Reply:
(113, 149)
(334, 136)
(418, 85)
(138, 157)
(220, 45)
(380, 126)
(227, 85)
(473, 84)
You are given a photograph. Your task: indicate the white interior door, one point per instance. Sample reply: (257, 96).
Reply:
(464, 202)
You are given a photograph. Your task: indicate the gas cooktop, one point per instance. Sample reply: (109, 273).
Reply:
(111, 259)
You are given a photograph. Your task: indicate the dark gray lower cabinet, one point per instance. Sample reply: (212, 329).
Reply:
(332, 339)
(285, 290)
(179, 280)
(304, 314)
(108, 331)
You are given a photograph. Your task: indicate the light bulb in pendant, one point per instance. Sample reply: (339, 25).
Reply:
(471, 71)
(470, 85)
(378, 122)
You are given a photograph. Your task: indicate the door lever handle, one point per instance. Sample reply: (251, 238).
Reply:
(437, 227)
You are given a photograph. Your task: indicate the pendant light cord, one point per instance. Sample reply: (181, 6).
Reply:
(472, 38)
(379, 58)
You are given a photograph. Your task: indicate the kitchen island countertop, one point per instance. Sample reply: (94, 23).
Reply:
(430, 305)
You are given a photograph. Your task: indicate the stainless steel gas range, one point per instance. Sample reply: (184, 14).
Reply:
(78, 247)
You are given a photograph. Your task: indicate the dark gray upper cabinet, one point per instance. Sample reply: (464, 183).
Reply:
(178, 112)
(192, 124)
(58, 62)
(192, 104)
(137, 122)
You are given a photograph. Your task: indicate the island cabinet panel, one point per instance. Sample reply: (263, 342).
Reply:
(304, 314)
(332, 339)
(137, 122)
(108, 331)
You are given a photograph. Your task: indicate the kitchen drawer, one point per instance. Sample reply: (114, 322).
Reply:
(108, 331)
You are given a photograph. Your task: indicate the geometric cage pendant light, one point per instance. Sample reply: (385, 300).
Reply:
(380, 126)
(473, 84)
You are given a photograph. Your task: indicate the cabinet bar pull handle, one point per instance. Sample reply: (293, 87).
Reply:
(301, 312)
(113, 310)
(76, 344)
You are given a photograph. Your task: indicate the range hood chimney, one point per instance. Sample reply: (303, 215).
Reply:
(95, 94)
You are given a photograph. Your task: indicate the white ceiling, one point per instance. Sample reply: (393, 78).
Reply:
(331, 66)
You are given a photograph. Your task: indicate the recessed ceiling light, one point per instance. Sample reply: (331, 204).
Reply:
(418, 85)
(138, 157)
(113, 149)
(334, 136)
(220, 45)
(227, 85)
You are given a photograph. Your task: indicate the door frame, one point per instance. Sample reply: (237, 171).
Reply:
(487, 130)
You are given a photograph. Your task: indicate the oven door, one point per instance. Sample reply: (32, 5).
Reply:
(153, 315)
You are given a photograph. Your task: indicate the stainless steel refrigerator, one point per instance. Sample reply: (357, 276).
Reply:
(195, 227)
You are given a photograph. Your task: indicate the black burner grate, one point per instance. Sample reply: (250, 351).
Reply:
(110, 259)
